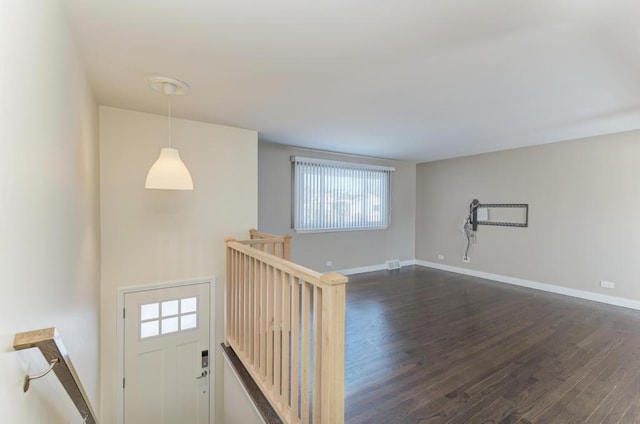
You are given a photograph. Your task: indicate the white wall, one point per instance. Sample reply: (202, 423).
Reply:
(49, 222)
(583, 196)
(152, 236)
(239, 407)
(348, 249)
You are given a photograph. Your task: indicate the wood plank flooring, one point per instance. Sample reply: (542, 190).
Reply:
(425, 346)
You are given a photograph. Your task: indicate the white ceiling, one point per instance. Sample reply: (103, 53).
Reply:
(415, 80)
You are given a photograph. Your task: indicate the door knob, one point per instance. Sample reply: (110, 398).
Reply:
(203, 375)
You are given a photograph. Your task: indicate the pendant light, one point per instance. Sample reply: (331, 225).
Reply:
(168, 171)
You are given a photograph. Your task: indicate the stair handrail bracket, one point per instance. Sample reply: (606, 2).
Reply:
(48, 341)
(286, 323)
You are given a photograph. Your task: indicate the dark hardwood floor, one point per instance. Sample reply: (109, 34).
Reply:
(426, 346)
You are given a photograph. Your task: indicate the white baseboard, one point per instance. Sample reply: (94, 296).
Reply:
(551, 288)
(371, 268)
(582, 294)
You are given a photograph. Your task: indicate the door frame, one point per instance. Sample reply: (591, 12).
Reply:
(122, 291)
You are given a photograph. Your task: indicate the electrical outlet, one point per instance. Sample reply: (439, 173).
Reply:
(441, 257)
(329, 263)
(607, 284)
(466, 259)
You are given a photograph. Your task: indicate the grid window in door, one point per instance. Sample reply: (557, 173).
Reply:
(169, 316)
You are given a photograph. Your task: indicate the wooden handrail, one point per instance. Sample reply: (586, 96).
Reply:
(255, 234)
(285, 322)
(50, 344)
(290, 267)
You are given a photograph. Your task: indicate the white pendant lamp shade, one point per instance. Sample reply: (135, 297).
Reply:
(169, 172)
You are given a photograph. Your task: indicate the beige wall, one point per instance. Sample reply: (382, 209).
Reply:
(239, 407)
(49, 222)
(583, 198)
(152, 236)
(349, 249)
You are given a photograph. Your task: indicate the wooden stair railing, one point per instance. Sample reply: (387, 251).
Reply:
(286, 324)
(50, 344)
(279, 246)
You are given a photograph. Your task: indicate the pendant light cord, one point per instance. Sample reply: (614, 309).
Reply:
(169, 96)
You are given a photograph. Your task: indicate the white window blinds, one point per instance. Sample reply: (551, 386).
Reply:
(334, 196)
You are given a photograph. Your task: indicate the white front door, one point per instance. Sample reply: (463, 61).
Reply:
(166, 356)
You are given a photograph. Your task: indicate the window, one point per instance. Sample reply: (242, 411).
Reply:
(168, 317)
(335, 196)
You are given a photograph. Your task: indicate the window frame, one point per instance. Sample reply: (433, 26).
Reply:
(335, 166)
(161, 316)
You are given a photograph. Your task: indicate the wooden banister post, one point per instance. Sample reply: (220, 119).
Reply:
(227, 289)
(286, 247)
(332, 356)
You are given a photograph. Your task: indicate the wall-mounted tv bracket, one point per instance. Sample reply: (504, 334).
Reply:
(470, 227)
(497, 214)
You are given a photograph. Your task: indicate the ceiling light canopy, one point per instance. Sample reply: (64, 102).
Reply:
(168, 171)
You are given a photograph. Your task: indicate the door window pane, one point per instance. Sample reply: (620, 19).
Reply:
(169, 325)
(149, 311)
(149, 329)
(188, 321)
(188, 305)
(169, 308)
